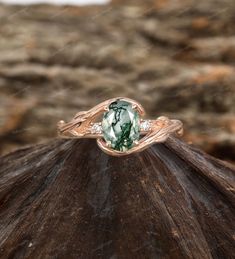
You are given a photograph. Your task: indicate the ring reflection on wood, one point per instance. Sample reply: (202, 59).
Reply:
(82, 126)
(66, 199)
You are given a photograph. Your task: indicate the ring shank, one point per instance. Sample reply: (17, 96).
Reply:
(84, 125)
(94, 130)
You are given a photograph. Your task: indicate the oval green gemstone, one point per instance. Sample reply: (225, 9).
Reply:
(121, 126)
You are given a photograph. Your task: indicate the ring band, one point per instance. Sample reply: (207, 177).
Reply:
(122, 131)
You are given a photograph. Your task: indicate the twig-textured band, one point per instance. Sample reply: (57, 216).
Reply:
(119, 132)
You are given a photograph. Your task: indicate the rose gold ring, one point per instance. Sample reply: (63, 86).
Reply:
(121, 130)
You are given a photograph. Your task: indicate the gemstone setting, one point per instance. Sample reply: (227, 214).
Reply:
(96, 128)
(121, 126)
(145, 125)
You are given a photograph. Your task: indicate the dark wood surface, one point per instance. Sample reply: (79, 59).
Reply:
(67, 199)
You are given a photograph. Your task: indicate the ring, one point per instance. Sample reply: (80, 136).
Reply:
(121, 129)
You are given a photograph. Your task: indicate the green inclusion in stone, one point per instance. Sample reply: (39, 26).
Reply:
(120, 125)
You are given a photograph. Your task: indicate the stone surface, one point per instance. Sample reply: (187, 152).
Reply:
(176, 58)
(121, 125)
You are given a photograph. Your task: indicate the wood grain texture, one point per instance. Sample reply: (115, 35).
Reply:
(67, 199)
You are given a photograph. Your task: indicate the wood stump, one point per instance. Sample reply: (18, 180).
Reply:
(67, 199)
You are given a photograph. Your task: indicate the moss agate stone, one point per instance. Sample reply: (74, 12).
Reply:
(121, 125)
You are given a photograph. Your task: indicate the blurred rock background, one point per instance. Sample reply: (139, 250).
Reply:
(175, 57)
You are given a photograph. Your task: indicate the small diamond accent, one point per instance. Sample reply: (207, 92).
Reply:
(96, 128)
(145, 125)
